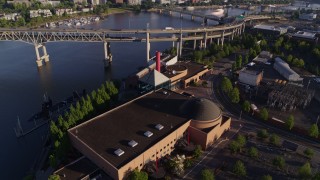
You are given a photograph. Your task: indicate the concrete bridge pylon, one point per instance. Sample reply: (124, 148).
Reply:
(107, 54)
(39, 58)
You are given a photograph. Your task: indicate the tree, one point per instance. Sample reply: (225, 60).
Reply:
(138, 175)
(54, 177)
(188, 163)
(241, 140)
(246, 59)
(234, 95)
(207, 174)
(226, 85)
(198, 56)
(246, 106)
(290, 122)
(289, 59)
(274, 139)
(305, 171)
(314, 131)
(234, 147)
(308, 152)
(266, 177)
(264, 114)
(52, 160)
(197, 152)
(262, 134)
(279, 162)
(239, 169)
(239, 62)
(253, 152)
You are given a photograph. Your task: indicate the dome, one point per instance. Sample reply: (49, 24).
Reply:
(201, 109)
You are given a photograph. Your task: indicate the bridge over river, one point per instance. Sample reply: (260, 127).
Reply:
(39, 37)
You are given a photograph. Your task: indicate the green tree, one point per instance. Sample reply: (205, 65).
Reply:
(234, 67)
(289, 59)
(198, 56)
(246, 106)
(266, 177)
(234, 95)
(279, 162)
(264, 114)
(52, 160)
(253, 152)
(188, 163)
(234, 147)
(206, 174)
(290, 122)
(274, 139)
(197, 152)
(305, 171)
(138, 175)
(314, 131)
(54, 130)
(226, 85)
(241, 140)
(239, 61)
(263, 134)
(246, 59)
(239, 169)
(308, 152)
(54, 177)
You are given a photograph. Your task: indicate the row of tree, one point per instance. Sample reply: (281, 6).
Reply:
(232, 92)
(89, 106)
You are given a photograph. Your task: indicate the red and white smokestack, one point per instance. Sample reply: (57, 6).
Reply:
(158, 63)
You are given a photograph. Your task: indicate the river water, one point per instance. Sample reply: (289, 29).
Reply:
(72, 66)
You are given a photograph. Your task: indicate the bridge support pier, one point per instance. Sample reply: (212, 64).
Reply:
(218, 41)
(180, 45)
(44, 57)
(148, 45)
(222, 39)
(107, 54)
(192, 18)
(181, 16)
(205, 40)
(244, 26)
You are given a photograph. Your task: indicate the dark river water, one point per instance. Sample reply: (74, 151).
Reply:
(72, 66)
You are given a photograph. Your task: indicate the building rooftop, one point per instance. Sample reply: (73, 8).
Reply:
(303, 34)
(250, 72)
(78, 169)
(114, 129)
(192, 67)
(201, 109)
(267, 27)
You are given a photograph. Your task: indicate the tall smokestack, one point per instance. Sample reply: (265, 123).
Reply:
(158, 63)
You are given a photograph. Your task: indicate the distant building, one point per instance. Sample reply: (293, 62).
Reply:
(26, 2)
(144, 130)
(94, 2)
(79, 1)
(305, 36)
(86, 9)
(134, 2)
(284, 69)
(117, 1)
(250, 77)
(60, 12)
(10, 16)
(267, 29)
(47, 2)
(40, 12)
(309, 17)
(263, 57)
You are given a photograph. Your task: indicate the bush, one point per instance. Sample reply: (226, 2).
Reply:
(188, 163)
(246, 106)
(138, 175)
(239, 169)
(305, 171)
(264, 114)
(253, 152)
(197, 152)
(314, 131)
(207, 174)
(274, 139)
(263, 134)
(290, 122)
(279, 162)
(308, 152)
(234, 147)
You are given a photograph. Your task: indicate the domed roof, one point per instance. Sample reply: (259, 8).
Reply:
(200, 109)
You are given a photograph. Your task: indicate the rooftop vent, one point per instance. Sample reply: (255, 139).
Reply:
(159, 127)
(148, 134)
(132, 143)
(118, 152)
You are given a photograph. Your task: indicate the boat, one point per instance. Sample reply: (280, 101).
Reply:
(190, 8)
(218, 12)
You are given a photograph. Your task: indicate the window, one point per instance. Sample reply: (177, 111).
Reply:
(160, 150)
(153, 156)
(140, 164)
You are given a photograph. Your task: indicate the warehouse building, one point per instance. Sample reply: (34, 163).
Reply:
(268, 29)
(250, 77)
(146, 129)
(284, 69)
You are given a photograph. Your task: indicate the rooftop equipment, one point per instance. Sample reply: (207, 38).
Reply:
(118, 152)
(148, 134)
(132, 143)
(159, 127)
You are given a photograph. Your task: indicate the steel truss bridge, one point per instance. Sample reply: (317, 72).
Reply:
(38, 37)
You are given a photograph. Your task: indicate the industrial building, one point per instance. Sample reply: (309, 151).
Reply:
(267, 29)
(284, 69)
(250, 77)
(146, 129)
(305, 36)
(309, 17)
(263, 57)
